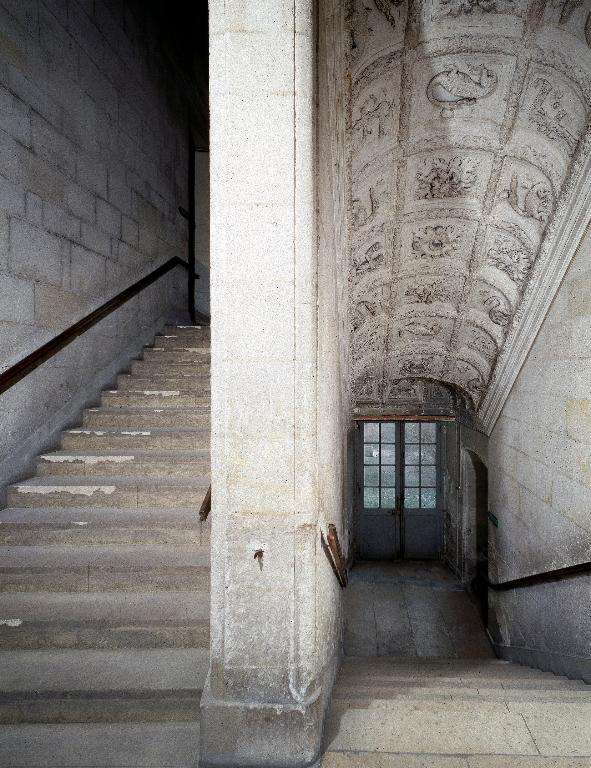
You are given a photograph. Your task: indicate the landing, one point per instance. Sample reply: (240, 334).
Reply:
(411, 608)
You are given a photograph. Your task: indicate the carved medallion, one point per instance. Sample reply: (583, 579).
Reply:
(421, 329)
(374, 121)
(427, 293)
(532, 200)
(549, 113)
(456, 88)
(435, 242)
(497, 312)
(445, 178)
(511, 259)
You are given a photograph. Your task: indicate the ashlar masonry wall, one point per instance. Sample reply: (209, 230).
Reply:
(540, 486)
(93, 159)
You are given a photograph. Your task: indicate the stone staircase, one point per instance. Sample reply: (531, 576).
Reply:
(404, 712)
(104, 577)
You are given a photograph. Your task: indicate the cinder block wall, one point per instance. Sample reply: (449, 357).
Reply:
(93, 165)
(540, 478)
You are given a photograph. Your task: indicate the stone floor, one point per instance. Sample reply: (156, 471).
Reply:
(408, 608)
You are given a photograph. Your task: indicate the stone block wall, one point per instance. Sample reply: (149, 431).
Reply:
(540, 473)
(93, 166)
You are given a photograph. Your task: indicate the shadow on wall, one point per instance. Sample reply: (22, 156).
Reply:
(475, 499)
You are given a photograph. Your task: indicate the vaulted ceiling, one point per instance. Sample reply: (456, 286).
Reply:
(468, 121)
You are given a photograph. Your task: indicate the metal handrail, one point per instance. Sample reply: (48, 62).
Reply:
(539, 578)
(19, 370)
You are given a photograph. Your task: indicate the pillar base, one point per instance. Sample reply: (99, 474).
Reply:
(237, 734)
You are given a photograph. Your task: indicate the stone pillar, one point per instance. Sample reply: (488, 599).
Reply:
(271, 660)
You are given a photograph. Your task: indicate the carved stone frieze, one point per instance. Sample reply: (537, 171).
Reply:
(497, 308)
(428, 292)
(534, 200)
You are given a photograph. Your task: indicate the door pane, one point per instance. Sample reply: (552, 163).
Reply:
(427, 454)
(428, 433)
(388, 477)
(371, 498)
(428, 476)
(411, 498)
(389, 454)
(371, 476)
(411, 476)
(388, 432)
(371, 453)
(411, 454)
(371, 432)
(388, 497)
(428, 498)
(411, 432)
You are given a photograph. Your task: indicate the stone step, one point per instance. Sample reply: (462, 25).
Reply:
(195, 355)
(80, 567)
(181, 341)
(177, 368)
(76, 491)
(145, 418)
(384, 667)
(199, 385)
(460, 727)
(459, 687)
(145, 439)
(102, 686)
(29, 526)
(145, 464)
(188, 331)
(37, 620)
(362, 759)
(100, 745)
(155, 398)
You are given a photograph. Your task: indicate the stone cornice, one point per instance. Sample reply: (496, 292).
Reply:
(567, 239)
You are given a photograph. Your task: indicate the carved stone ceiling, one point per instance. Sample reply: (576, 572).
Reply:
(467, 121)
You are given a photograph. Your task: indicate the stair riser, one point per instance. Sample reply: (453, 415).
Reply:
(28, 637)
(159, 418)
(179, 706)
(138, 467)
(118, 497)
(112, 441)
(23, 535)
(180, 342)
(149, 368)
(197, 385)
(146, 400)
(94, 579)
(194, 355)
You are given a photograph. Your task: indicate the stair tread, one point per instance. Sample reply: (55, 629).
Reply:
(98, 670)
(119, 608)
(152, 455)
(107, 516)
(109, 555)
(110, 745)
(97, 481)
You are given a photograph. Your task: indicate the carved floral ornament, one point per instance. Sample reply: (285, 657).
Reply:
(460, 86)
(552, 113)
(444, 178)
(456, 8)
(439, 241)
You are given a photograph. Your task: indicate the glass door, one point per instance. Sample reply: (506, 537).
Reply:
(378, 528)
(399, 500)
(422, 518)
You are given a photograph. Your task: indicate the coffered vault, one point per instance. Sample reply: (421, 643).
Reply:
(468, 136)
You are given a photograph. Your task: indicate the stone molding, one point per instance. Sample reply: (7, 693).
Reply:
(569, 234)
